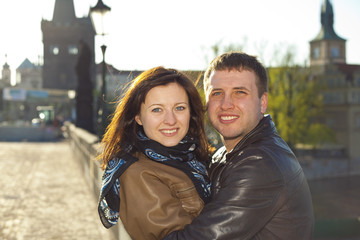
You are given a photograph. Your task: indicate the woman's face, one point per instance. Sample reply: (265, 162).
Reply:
(165, 114)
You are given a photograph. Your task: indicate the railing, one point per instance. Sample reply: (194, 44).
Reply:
(86, 147)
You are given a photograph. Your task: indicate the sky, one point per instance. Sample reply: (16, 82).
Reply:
(146, 33)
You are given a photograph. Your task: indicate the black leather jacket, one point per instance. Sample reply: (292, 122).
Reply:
(259, 191)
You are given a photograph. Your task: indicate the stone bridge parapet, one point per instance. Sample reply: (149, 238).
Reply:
(86, 147)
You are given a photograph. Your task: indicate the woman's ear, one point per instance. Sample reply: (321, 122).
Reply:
(137, 119)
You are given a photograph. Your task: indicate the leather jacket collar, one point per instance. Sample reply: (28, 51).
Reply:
(264, 128)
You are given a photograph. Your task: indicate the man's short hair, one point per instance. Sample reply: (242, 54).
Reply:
(238, 61)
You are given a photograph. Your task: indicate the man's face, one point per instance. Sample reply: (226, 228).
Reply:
(233, 104)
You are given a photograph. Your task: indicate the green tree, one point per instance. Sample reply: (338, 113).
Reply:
(219, 48)
(295, 104)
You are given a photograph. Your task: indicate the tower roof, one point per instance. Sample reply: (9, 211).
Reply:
(327, 21)
(64, 11)
(26, 64)
(6, 66)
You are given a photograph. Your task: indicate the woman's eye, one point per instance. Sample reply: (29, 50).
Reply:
(156, 110)
(180, 108)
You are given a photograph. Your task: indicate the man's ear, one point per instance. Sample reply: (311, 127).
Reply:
(137, 119)
(263, 102)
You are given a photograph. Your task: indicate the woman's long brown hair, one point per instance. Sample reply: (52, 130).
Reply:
(123, 127)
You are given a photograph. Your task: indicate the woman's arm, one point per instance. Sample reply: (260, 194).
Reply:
(149, 205)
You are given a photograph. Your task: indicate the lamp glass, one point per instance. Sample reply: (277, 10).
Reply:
(99, 17)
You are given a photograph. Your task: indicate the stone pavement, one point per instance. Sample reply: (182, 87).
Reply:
(43, 194)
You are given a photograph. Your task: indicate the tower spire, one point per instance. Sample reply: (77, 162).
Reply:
(327, 23)
(64, 11)
(6, 65)
(327, 47)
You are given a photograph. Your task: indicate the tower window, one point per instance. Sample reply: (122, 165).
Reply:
(73, 50)
(335, 52)
(330, 122)
(54, 49)
(316, 53)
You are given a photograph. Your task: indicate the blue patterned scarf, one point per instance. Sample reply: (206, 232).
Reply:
(180, 156)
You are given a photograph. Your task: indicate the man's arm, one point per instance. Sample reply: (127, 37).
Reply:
(243, 202)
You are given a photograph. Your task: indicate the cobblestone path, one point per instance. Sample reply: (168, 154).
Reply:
(43, 194)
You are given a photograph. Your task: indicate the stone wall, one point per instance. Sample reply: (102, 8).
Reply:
(327, 163)
(29, 133)
(86, 147)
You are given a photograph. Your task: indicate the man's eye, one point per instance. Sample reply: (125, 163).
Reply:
(215, 94)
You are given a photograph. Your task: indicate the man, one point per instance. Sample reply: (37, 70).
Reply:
(259, 190)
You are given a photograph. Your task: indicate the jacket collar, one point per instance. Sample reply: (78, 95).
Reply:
(265, 127)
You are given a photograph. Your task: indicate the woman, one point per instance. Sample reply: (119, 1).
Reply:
(154, 153)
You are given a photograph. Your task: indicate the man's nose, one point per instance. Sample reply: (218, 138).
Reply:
(227, 102)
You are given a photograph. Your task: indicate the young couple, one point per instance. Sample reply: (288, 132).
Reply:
(158, 176)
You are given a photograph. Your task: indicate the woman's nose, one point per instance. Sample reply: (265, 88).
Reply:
(170, 118)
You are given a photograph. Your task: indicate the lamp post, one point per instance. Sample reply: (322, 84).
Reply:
(98, 14)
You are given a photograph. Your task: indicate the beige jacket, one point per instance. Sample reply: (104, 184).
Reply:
(156, 199)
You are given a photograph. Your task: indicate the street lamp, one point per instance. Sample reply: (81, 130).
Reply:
(98, 16)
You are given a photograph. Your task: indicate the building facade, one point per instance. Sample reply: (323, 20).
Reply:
(61, 38)
(29, 75)
(340, 84)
